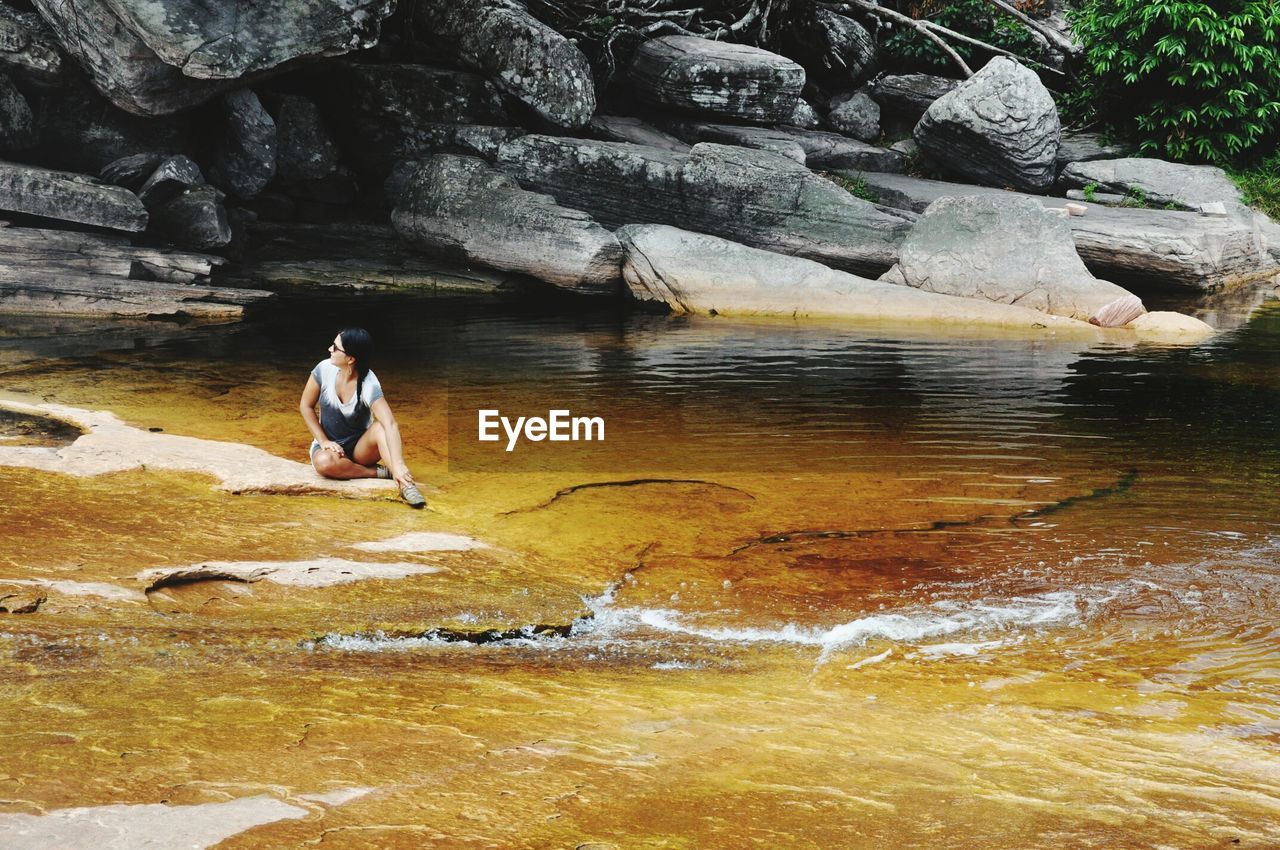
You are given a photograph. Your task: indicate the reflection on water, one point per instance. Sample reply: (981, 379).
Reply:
(821, 586)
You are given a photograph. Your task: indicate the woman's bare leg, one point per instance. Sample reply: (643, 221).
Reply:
(331, 465)
(379, 443)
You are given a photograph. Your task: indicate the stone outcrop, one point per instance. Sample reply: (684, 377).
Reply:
(819, 150)
(64, 196)
(1009, 250)
(758, 138)
(153, 57)
(27, 47)
(998, 128)
(1159, 182)
(461, 207)
(194, 219)
(525, 58)
(754, 197)
(717, 78)
(1156, 248)
(244, 158)
(855, 114)
(695, 273)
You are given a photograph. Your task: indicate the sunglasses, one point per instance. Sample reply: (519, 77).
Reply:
(333, 347)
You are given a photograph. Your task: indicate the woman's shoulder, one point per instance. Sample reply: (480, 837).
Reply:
(323, 369)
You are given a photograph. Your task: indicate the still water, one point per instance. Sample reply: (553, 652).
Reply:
(820, 586)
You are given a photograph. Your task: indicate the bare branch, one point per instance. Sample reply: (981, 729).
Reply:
(1055, 38)
(918, 26)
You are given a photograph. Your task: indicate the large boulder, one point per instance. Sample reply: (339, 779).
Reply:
(1159, 182)
(845, 51)
(998, 128)
(382, 114)
(75, 198)
(754, 197)
(695, 273)
(462, 208)
(855, 114)
(171, 178)
(527, 59)
(244, 159)
(717, 78)
(153, 57)
(195, 219)
(305, 148)
(1010, 250)
(27, 47)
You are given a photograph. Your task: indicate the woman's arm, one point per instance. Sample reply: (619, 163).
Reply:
(307, 407)
(395, 448)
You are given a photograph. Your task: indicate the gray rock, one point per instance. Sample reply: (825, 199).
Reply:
(27, 47)
(623, 128)
(815, 148)
(906, 148)
(1158, 249)
(754, 197)
(17, 124)
(1082, 147)
(525, 58)
(244, 159)
(171, 178)
(1162, 183)
(847, 42)
(758, 138)
(998, 128)
(855, 114)
(695, 273)
(131, 171)
(69, 197)
(195, 219)
(305, 149)
(1011, 250)
(910, 95)
(386, 113)
(461, 207)
(804, 117)
(717, 78)
(153, 57)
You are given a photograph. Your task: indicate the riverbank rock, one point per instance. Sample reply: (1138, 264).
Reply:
(1165, 326)
(855, 114)
(523, 56)
(695, 273)
(194, 219)
(998, 128)
(717, 78)
(1158, 249)
(909, 96)
(754, 197)
(244, 159)
(28, 48)
(1009, 250)
(171, 177)
(757, 138)
(153, 57)
(815, 148)
(1076, 146)
(623, 128)
(1159, 182)
(64, 196)
(460, 206)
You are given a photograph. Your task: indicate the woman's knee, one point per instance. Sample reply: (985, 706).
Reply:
(326, 463)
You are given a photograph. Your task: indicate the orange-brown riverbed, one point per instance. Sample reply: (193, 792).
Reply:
(842, 588)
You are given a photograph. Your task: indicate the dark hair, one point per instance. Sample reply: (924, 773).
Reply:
(359, 346)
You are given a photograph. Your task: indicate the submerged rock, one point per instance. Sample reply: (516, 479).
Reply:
(460, 206)
(998, 128)
(695, 273)
(754, 197)
(1009, 250)
(525, 58)
(718, 78)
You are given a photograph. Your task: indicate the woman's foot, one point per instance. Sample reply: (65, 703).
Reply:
(383, 472)
(413, 496)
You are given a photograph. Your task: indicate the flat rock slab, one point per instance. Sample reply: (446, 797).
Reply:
(696, 273)
(525, 58)
(109, 445)
(1160, 182)
(317, 572)
(755, 197)
(461, 207)
(998, 128)
(64, 196)
(422, 541)
(814, 148)
(1158, 248)
(1006, 249)
(717, 78)
(624, 128)
(1082, 147)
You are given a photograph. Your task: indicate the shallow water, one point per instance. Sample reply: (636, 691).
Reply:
(819, 586)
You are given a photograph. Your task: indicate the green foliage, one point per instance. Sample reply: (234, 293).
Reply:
(855, 186)
(1090, 191)
(974, 18)
(1261, 185)
(1136, 197)
(1190, 80)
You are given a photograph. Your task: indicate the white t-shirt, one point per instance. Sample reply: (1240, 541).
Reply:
(339, 420)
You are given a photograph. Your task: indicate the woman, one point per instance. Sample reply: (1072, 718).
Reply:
(348, 443)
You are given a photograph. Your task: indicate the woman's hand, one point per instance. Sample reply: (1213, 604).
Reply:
(331, 446)
(402, 476)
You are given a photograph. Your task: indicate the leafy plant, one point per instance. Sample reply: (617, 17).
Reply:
(974, 18)
(855, 186)
(1189, 79)
(1261, 185)
(1090, 192)
(1136, 197)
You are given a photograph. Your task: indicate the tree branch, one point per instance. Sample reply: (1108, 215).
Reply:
(921, 27)
(1055, 38)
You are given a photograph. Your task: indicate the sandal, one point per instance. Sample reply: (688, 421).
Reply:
(413, 497)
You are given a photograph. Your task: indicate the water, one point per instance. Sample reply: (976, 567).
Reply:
(820, 586)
